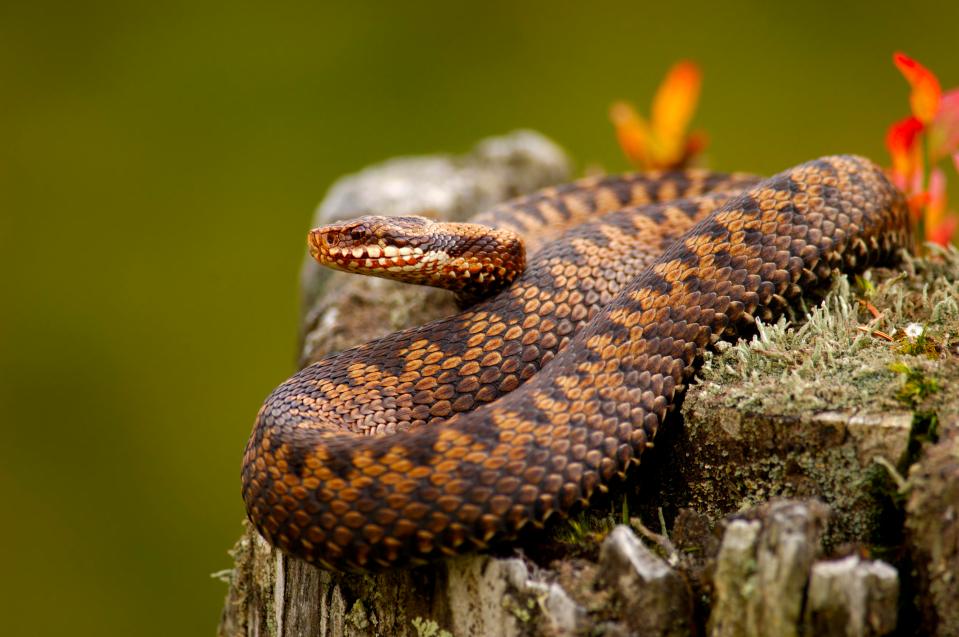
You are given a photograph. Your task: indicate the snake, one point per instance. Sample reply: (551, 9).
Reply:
(604, 296)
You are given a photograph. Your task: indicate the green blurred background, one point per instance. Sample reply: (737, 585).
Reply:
(159, 163)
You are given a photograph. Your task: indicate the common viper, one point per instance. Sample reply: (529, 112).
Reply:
(444, 438)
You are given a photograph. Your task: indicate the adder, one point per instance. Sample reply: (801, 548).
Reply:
(446, 438)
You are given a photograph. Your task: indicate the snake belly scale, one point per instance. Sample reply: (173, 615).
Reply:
(444, 438)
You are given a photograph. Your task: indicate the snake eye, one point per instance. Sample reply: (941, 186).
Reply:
(357, 233)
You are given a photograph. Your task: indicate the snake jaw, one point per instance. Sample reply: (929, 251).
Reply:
(373, 259)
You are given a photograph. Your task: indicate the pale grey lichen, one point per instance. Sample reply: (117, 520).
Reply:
(839, 356)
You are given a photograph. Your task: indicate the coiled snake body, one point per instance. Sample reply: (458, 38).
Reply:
(444, 438)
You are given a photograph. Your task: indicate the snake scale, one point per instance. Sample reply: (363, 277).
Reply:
(449, 437)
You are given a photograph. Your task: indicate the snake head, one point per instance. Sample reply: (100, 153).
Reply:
(472, 260)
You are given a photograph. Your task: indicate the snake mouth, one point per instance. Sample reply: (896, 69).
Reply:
(327, 250)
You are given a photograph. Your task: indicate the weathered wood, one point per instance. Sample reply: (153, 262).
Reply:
(932, 522)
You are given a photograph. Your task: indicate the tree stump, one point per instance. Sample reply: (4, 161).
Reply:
(775, 490)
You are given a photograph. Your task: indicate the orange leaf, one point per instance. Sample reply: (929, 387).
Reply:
(926, 91)
(902, 142)
(696, 143)
(632, 132)
(942, 234)
(944, 130)
(916, 205)
(673, 108)
(936, 206)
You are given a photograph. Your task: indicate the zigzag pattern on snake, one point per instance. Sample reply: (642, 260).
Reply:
(444, 438)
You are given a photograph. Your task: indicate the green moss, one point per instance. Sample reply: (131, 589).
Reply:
(589, 527)
(357, 616)
(429, 628)
(919, 345)
(523, 609)
(916, 385)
